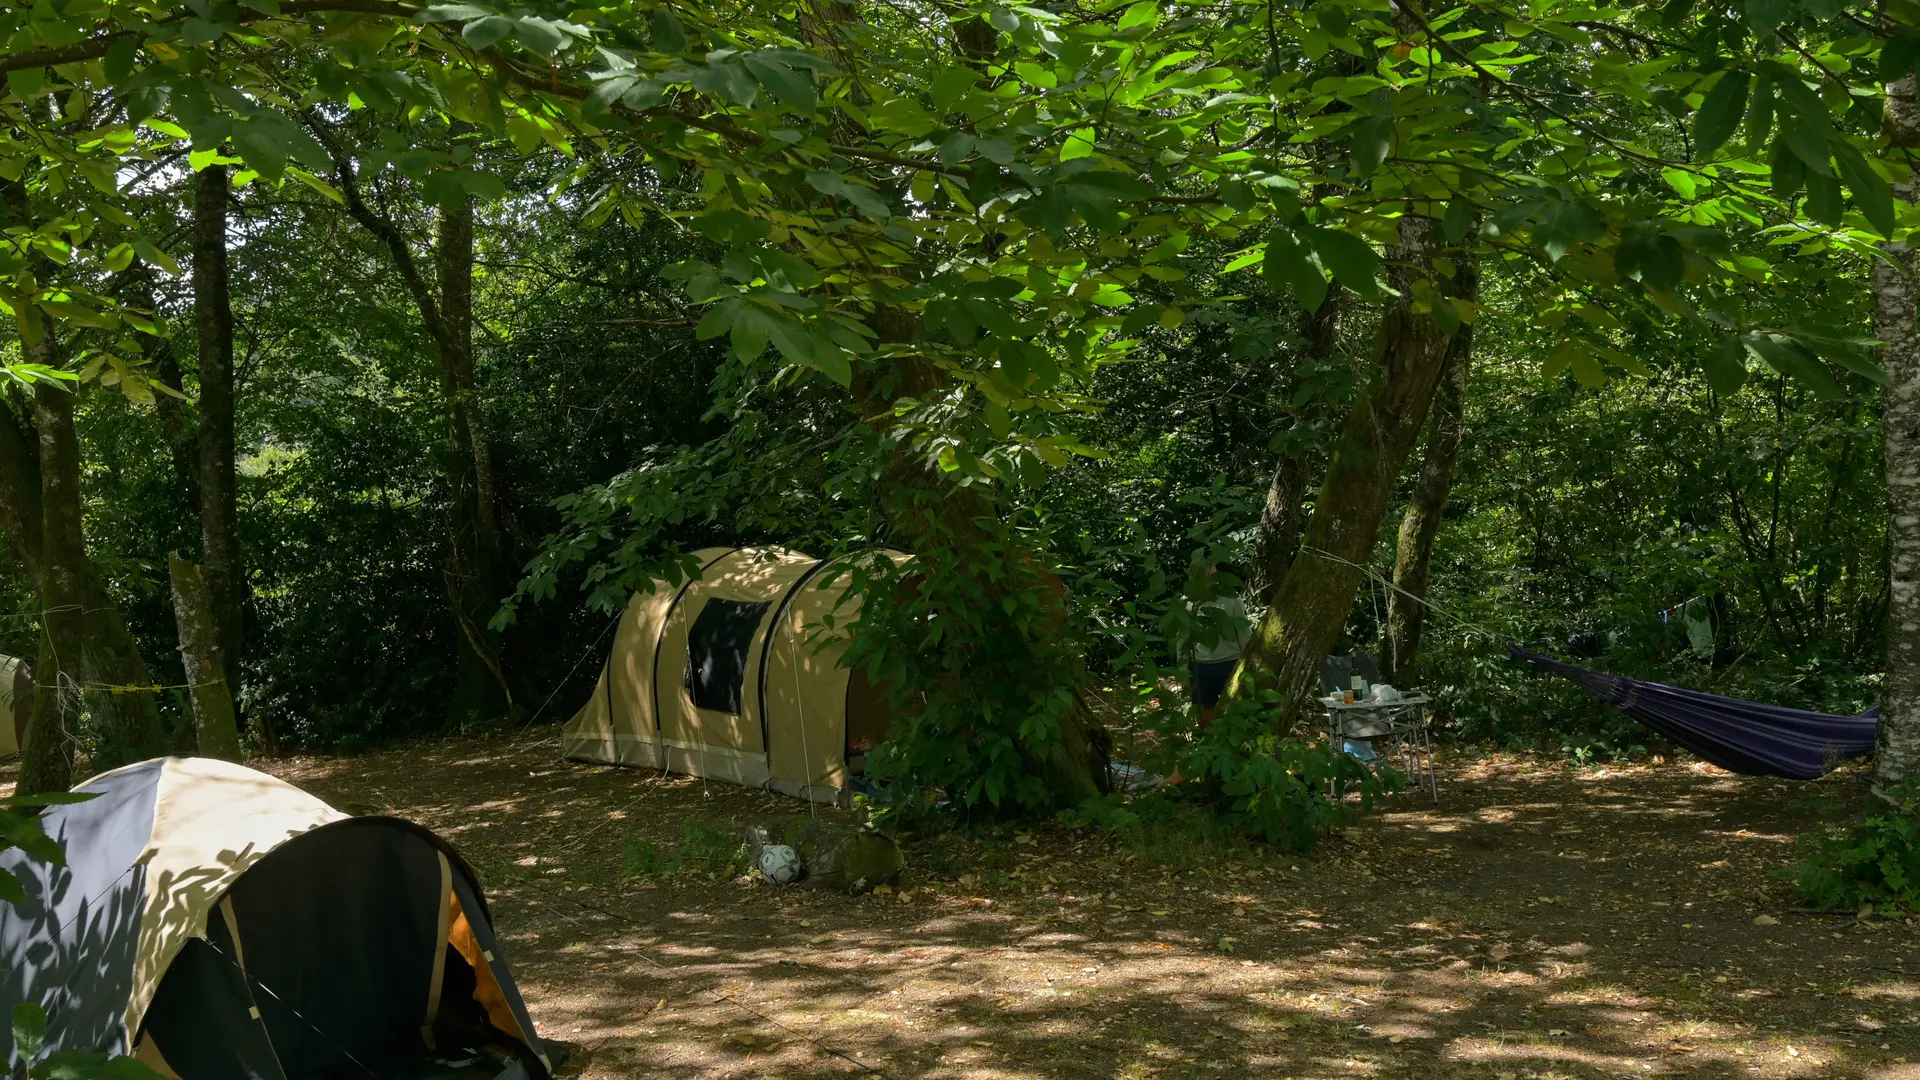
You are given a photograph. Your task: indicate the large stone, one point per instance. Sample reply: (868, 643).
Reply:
(844, 858)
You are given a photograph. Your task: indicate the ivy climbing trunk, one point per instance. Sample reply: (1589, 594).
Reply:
(1311, 603)
(218, 499)
(1895, 292)
(1420, 525)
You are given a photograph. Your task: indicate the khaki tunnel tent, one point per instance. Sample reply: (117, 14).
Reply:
(736, 675)
(220, 924)
(16, 703)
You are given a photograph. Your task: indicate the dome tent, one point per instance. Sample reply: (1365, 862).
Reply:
(220, 924)
(736, 675)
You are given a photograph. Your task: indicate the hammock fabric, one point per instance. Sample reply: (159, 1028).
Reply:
(1739, 736)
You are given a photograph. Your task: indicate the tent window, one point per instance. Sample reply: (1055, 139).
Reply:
(717, 653)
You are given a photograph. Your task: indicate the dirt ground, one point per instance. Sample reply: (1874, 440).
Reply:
(1540, 922)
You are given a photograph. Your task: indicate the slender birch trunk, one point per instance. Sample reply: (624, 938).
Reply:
(1897, 756)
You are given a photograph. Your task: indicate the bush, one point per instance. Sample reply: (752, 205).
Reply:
(1876, 860)
(1283, 790)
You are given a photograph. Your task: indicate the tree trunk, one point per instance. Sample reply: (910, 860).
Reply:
(1311, 605)
(1897, 757)
(63, 668)
(477, 561)
(217, 734)
(219, 520)
(1446, 429)
(477, 572)
(959, 526)
(1283, 513)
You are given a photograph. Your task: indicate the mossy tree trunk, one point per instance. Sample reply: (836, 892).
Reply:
(1311, 603)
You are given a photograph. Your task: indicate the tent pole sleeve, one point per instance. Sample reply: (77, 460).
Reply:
(766, 653)
(437, 979)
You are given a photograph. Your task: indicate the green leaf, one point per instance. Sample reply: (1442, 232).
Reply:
(1764, 15)
(483, 34)
(1719, 114)
(1725, 366)
(950, 86)
(750, 332)
(718, 320)
(1655, 261)
(1899, 54)
(439, 13)
(1804, 124)
(1458, 221)
(1871, 193)
(727, 79)
(29, 1029)
(790, 87)
(1849, 353)
(669, 36)
(12, 892)
(1353, 261)
(1079, 144)
(1792, 359)
(120, 59)
(1145, 13)
(1332, 18)
(1565, 224)
(1789, 174)
(539, 35)
(1824, 202)
(1288, 267)
(1760, 116)
(1371, 140)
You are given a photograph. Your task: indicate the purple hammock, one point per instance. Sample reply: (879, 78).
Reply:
(1739, 736)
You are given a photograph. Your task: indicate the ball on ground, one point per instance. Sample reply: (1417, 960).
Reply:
(779, 864)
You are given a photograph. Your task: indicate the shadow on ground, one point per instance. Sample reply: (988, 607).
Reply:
(1538, 923)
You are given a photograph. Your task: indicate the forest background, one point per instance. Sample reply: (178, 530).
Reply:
(1544, 322)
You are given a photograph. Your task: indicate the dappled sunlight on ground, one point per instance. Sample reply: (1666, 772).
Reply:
(1539, 923)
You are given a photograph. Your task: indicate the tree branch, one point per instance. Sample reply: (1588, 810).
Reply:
(94, 48)
(383, 229)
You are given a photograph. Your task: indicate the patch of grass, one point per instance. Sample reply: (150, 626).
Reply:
(704, 848)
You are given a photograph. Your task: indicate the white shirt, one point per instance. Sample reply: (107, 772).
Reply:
(1221, 629)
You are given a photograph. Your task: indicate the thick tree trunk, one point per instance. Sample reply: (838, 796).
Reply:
(1311, 605)
(1895, 292)
(1446, 429)
(87, 655)
(217, 734)
(219, 518)
(1284, 513)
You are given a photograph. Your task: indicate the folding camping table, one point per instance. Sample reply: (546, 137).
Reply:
(1401, 728)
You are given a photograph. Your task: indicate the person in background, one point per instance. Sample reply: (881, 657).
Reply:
(1221, 629)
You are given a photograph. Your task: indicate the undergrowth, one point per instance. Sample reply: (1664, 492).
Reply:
(1875, 860)
(1242, 780)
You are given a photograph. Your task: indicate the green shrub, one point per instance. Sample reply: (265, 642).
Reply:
(1875, 860)
(1283, 790)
